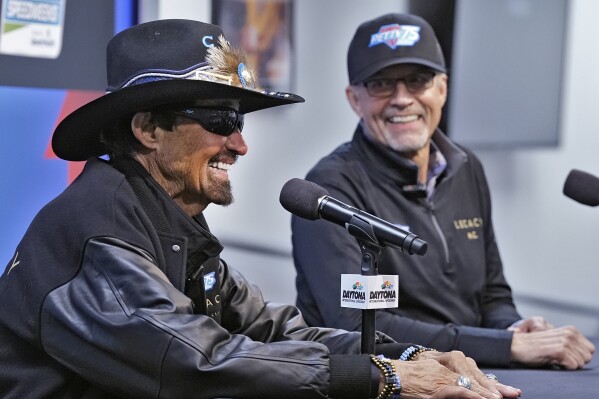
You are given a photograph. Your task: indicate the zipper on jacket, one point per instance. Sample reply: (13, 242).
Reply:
(195, 289)
(431, 211)
(195, 275)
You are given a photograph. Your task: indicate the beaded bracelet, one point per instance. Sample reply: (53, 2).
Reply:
(413, 351)
(392, 387)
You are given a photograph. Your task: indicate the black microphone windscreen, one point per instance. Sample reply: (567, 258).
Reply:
(300, 197)
(582, 187)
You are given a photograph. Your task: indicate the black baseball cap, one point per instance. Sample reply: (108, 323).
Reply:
(389, 40)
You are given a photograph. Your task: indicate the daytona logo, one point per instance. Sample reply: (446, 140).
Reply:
(383, 295)
(347, 294)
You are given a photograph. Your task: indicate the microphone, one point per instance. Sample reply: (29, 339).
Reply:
(310, 201)
(582, 187)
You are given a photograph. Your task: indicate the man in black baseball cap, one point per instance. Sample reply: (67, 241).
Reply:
(390, 40)
(402, 168)
(118, 289)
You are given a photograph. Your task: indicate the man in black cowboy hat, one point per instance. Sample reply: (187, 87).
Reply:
(117, 288)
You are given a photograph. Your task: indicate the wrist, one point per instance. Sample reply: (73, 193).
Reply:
(390, 384)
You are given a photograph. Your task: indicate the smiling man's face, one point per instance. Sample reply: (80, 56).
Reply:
(404, 121)
(193, 164)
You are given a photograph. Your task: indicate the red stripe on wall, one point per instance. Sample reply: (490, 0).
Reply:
(73, 100)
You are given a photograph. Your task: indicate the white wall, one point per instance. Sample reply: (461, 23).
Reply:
(546, 240)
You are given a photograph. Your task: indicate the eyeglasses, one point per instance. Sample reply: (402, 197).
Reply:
(387, 87)
(218, 121)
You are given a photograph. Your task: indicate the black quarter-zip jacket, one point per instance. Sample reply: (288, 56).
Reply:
(453, 297)
(94, 303)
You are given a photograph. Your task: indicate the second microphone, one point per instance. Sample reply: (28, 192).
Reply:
(310, 201)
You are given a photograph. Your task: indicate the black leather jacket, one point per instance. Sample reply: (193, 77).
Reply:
(92, 304)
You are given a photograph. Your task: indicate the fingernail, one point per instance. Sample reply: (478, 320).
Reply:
(516, 389)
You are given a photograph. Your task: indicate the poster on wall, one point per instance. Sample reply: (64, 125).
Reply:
(262, 28)
(32, 28)
(55, 43)
(52, 61)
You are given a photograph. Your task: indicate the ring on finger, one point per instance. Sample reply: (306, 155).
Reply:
(492, 376)
(463, 382)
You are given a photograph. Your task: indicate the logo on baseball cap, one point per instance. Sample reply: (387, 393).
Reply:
(389, 40)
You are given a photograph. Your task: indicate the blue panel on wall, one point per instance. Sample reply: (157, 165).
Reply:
(32, 95)
(29, 180)
(125, 14)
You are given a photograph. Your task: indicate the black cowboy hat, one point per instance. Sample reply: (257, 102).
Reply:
(160, 63)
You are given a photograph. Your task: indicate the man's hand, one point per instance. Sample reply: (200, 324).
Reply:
(563, 346)
(535, 323)
(429, 379)
(457, 362)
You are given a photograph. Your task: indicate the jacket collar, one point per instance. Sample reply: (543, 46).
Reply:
(398, 169)
(164, 213)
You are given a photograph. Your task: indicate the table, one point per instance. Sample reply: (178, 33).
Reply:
(554, 384)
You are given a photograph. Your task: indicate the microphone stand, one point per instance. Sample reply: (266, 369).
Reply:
(363, 232)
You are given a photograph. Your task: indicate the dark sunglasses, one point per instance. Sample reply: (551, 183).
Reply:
(218, 121)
